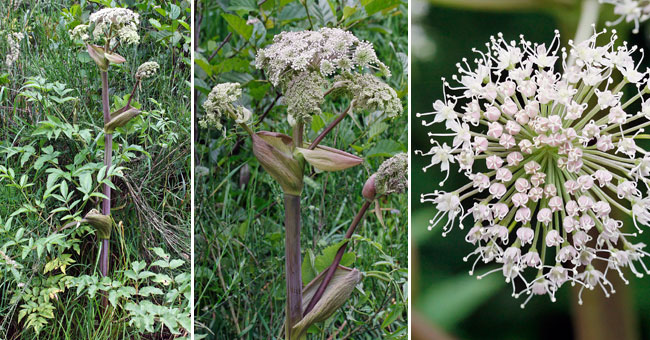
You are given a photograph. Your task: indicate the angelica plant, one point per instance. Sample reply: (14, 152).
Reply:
(111, 27)
(307, 67)
(548, 146)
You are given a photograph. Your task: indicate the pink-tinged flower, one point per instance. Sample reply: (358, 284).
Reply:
(551, 155)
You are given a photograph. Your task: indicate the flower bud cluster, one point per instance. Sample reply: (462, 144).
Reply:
(80, 32)
(147, 70)
(372, 94)
(221, 101)
(550, 156)
(391, 177)
(304, 97)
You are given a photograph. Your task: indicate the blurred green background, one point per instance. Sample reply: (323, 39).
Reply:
(445, 297)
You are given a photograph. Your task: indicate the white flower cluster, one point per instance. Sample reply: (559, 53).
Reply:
(636, 11)
(79, 32)
(221, 101)
(147, 70)
(547, 166)
(13, 39)
(110, 22)
(313, 58)
(328, 50)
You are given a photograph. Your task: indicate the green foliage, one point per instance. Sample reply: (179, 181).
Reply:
(137, 292)
(52, 173)
(239, 235)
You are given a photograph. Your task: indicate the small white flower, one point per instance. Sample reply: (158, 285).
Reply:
(525, 235)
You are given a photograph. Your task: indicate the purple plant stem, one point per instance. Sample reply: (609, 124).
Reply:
(337, 259)
(128, 104)
(329, 128)
(108, 155)
(292, 262)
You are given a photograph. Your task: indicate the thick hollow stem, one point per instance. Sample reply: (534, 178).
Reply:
(103, 260)
(298, 131)
(329, 128)
(337, 259)
(108, 155)
(292, 261)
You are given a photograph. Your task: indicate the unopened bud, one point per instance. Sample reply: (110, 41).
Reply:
(369, 192)
(338, 291)
(329, 159)
(102, 223)
(115, 58)
(244, 175)
(120, 119)
(273, 151)
(98, 55)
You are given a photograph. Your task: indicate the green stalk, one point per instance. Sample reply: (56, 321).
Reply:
(128, 103)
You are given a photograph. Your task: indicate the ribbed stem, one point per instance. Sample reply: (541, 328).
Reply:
(103, 259)
(137, 83)
(292, 262)
(108, 154)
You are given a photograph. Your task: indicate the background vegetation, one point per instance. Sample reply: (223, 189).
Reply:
(240, 288)
(444, 295)
(51, 152)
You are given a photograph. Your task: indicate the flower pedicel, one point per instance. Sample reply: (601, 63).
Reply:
(547, 166)
(636, 11)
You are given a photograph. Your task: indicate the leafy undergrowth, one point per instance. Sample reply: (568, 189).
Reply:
(51, 174)
(239, 232)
